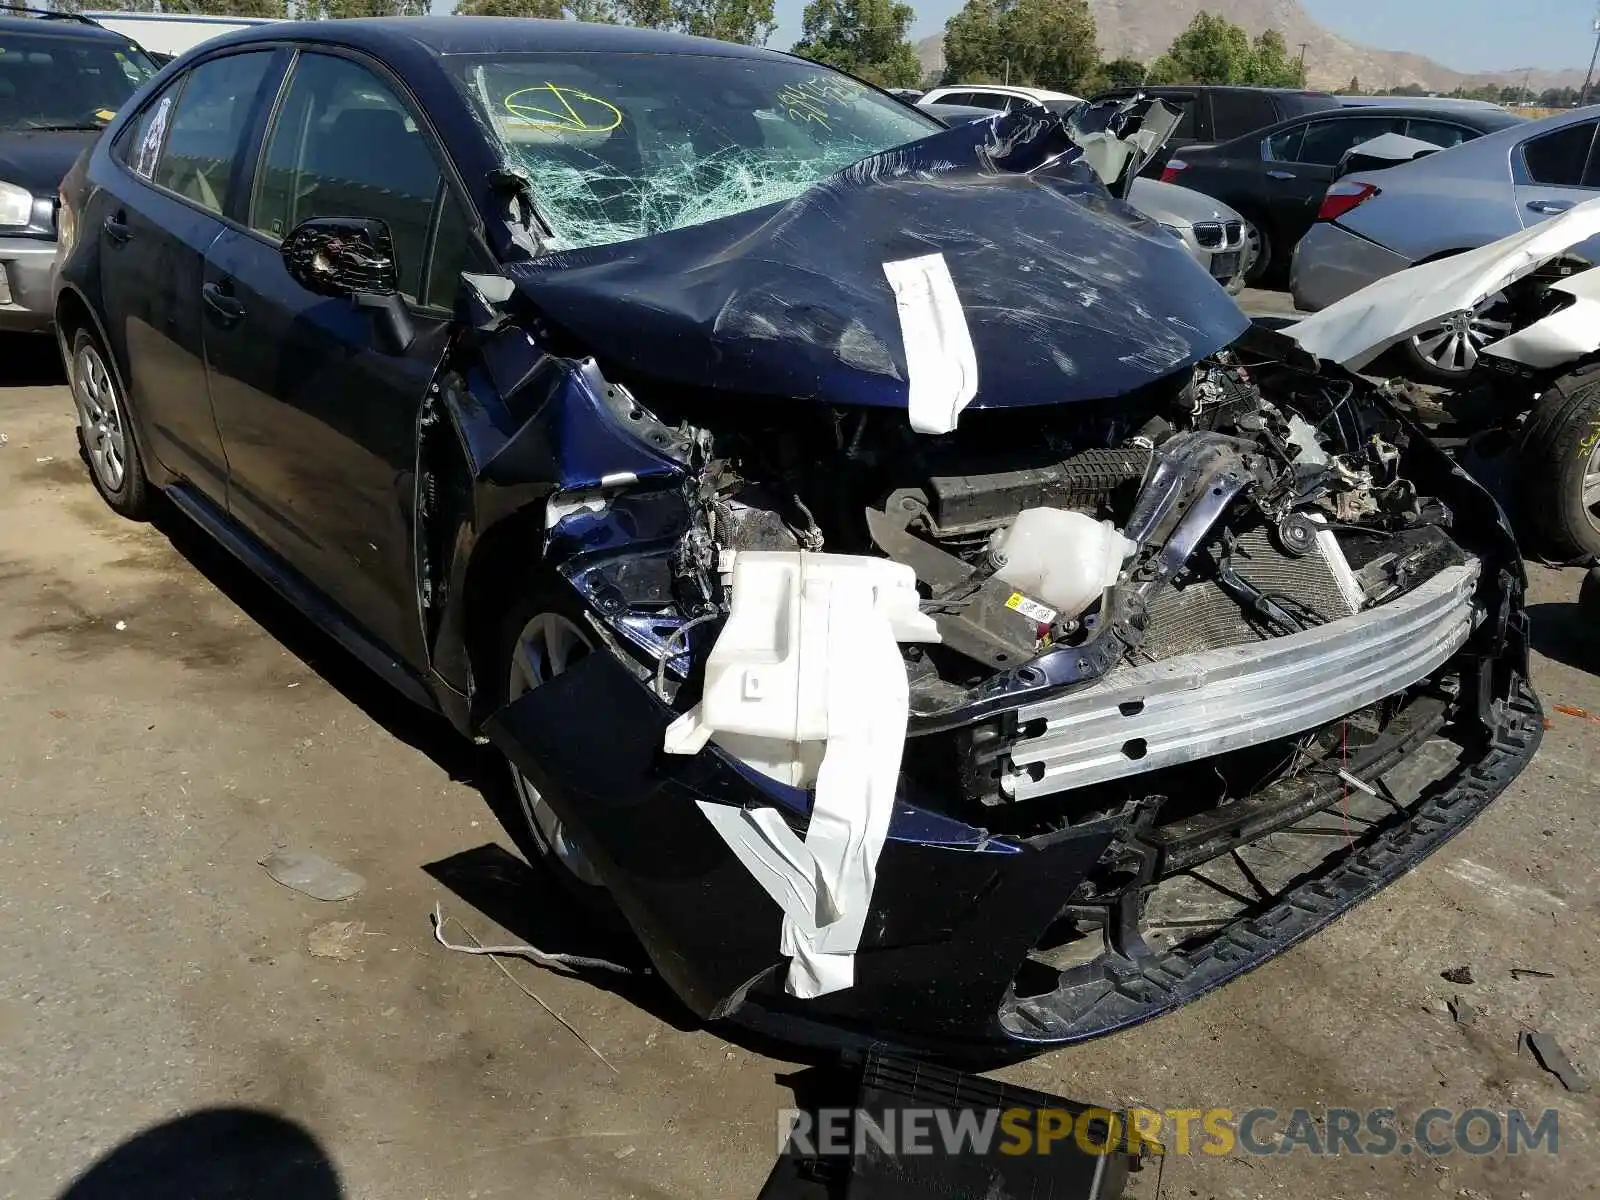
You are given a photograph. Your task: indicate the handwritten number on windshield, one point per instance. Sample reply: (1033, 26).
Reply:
(810, 101)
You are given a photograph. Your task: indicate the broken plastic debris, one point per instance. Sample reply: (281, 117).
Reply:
(1462, 974)
(941, 364)
(806, 684)
(1554, 1059)
(312, 875)
(121, 625)
(336, 939)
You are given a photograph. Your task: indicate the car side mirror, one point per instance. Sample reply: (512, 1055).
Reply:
(351, 258)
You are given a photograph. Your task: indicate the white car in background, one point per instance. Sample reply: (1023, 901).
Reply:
(1001, 96)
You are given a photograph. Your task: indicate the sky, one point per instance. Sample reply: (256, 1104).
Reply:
(1469, 35)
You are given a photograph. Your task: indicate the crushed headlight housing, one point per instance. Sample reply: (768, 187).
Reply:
(16, 206)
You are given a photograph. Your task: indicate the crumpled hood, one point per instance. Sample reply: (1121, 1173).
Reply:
(1068, 294)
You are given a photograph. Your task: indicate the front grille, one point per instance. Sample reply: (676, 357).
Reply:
(1235, 232)
(1209, 234)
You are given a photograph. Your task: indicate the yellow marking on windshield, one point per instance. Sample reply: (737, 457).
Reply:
(579, 112)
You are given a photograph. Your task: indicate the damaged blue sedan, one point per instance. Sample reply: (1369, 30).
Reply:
(903, 586)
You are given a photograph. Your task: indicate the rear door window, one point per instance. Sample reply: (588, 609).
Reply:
(138, 145)
(995, 100)
(1559, 159)
(1234, 114)
(344, 145)
(206, 130)
(1440, 133)
(1284, 146)
(1326, 142)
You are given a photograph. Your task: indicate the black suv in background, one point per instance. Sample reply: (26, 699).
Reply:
(62, 77)
(1218, 113)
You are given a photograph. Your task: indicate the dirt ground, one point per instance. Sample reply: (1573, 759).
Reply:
(165, 724)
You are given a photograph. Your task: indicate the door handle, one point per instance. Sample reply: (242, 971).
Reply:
(116, 227)
(1549, 207)
(222, 303)
(1282, 175)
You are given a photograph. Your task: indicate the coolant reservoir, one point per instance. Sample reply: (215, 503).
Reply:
(1062, 557)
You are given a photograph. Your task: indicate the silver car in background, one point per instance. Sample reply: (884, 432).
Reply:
(1211, 231)
(1374, 223)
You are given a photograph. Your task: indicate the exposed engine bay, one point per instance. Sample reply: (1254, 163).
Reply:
(1054, 547)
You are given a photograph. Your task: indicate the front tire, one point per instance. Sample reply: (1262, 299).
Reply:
(541, 635)
(1258, 255)
(1559, 466)
(105, 434)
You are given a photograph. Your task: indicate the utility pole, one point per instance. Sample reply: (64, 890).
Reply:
(1583, 94)
(1303, 47)
(1526, 98)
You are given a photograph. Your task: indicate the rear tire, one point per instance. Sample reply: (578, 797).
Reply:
(105, 433)
(1559, 466)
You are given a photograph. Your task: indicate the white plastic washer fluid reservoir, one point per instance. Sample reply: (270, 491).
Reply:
(1065, 558)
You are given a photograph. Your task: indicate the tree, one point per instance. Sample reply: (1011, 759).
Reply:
(1050, 43)
(973, 49)
(1406, 89)
(510, 8)
(1123, 72)
(864, 37)
(747, 21)
(1269, 64)
(1353, 88)
(1212, 50)
(331, 9)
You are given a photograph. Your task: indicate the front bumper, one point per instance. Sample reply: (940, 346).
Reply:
(27, 267)
(1193, 706)
(948, 962)
(1218, 246)
(1331, 263)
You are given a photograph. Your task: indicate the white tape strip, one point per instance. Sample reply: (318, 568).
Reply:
(941, 365)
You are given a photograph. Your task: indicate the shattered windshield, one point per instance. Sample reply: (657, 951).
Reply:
(621, 146)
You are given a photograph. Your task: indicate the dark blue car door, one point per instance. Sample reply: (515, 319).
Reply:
(318, 420)
(160, 207)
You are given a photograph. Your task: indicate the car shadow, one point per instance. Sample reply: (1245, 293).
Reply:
(1567, 633)
(529, 902)
(412, 724)
(214, 1154)
(30, 360)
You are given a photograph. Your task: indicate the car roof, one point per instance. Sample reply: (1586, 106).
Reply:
(1154, 88)
(485, 35)
(62, 25)
(1004, 89)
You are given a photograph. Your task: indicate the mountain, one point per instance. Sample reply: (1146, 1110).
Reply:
(1143, 29)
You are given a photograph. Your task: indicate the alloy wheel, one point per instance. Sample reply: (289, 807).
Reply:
(548, 644)
(1454, 345)
(100, 418)
(1591, 488)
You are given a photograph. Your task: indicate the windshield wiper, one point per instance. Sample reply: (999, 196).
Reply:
(58, 126)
